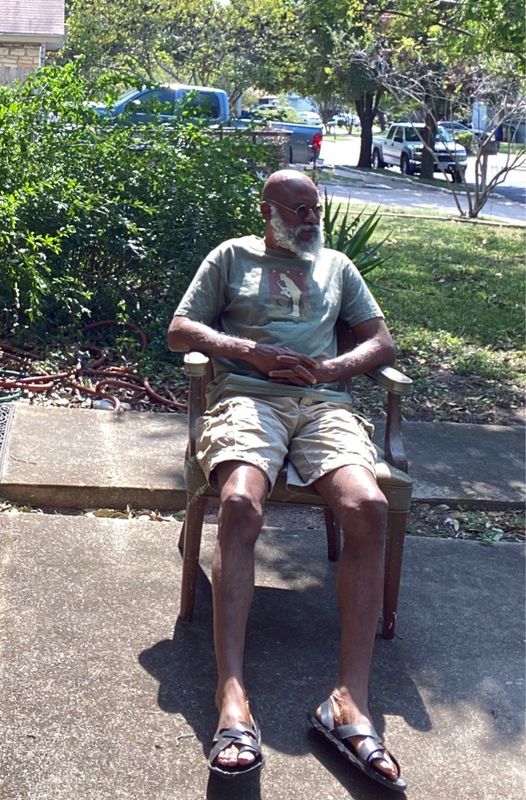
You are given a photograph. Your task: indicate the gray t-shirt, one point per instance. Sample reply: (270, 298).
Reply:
(247, 290)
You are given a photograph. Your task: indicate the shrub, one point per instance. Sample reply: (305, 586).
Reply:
(352, 235)
(103, 220)
(465, 138)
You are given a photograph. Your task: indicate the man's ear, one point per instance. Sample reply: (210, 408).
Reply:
(264, 207)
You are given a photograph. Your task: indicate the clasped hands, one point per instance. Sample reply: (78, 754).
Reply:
(283, 365)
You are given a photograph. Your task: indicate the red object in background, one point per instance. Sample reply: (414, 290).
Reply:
(316, 144)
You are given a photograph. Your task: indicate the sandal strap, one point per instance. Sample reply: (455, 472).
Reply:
(326, 718)
(326, 715)
(371, 747)
(371, 750)
(362, 729)
(246, 737)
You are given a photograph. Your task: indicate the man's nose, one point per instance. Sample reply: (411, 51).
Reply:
(312, 218)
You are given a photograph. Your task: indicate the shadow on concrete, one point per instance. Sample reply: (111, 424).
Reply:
(243, 787)
(290, 667)
(457, 653)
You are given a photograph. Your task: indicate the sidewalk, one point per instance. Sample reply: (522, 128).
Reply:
(82, 458)
(105, 695)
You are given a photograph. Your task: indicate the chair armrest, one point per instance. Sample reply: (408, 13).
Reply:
(391, 379)
(196, 364)
(397, 385)
(197, 367)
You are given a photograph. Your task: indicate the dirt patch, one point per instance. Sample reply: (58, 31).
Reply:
(440, 521)
(487, 527)
(448, 397)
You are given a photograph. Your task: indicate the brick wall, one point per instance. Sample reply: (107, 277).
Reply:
(17, 60)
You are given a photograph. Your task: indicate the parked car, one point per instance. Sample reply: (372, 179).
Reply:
(403, 147)
(452, 126)
(159, 104)
(456, 129)
(342, 121)
(309, 117)
(304, 140)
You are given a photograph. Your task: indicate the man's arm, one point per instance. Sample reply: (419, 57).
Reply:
(374, 348)
(185, 334)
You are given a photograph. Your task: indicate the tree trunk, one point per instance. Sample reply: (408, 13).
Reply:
(366, 108)
(426, 169)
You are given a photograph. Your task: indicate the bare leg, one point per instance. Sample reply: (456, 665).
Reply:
(243, 490)
(361, 508)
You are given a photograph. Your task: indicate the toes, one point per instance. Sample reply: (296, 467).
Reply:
(244, 759)
(382, 763)
(228, 757)
(385, 767)
(231, 757)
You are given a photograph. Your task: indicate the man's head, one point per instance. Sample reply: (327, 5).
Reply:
(291, 207)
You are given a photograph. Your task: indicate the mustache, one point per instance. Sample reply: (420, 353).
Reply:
(307, 228)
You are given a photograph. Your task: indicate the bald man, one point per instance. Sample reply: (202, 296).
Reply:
(265, 311)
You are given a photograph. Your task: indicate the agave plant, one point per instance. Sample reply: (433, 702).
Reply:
(351, 235)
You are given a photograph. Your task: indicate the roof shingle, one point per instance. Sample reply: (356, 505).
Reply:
(32, 17)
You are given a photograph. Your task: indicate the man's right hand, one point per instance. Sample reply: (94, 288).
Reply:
(288, 366)
(292, 367)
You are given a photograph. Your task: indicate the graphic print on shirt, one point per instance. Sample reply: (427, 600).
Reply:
(288, 294)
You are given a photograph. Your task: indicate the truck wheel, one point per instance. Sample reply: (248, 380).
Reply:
(405, 166)
(457, 175)
(377, 160)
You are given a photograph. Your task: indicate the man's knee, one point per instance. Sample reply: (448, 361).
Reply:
(240, 515)
(366, 513)
(241, 504)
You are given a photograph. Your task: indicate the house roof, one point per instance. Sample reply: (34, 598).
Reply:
(39, 21)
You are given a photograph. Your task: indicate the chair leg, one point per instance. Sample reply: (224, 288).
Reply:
(180, 543)
(333, 535)
(396, 526)
(193, 527)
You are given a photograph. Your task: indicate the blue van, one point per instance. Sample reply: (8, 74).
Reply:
(159, 103)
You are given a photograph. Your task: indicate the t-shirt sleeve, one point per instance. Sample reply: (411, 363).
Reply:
(203, 300)
(358, 303)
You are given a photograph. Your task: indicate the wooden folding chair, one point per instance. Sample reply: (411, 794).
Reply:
(392, 478)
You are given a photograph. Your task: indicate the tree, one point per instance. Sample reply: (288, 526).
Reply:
(121, 35)
(233, 45)
(504, 102)
(433, 59)
(344, 59)
(355, 49)
(456, 55)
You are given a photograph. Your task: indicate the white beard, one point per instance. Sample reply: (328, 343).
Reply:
(287, 236)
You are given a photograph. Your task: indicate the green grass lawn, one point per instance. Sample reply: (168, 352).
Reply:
(453, 297)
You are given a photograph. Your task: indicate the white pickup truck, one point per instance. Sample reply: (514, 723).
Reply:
(403, 147)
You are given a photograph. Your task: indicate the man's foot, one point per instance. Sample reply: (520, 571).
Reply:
(346, 712)
(233, 711)
(245, 739)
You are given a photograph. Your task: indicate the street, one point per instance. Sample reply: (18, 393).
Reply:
(387, 187)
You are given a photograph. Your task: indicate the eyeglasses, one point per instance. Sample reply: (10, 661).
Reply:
(301, 211)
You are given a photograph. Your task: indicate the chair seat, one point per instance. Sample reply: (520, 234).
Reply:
(395, 484)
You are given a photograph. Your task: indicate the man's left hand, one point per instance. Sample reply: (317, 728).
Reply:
(299, 375)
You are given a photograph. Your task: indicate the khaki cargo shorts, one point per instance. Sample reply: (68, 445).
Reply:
(313, 436)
